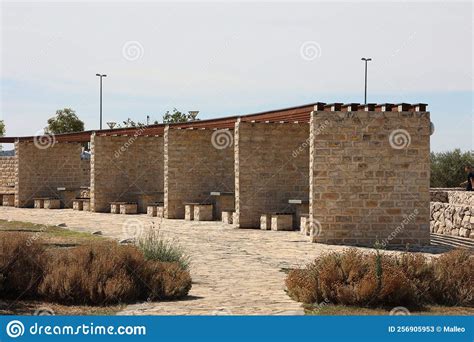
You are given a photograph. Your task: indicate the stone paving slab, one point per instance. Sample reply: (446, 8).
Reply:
(234, 271)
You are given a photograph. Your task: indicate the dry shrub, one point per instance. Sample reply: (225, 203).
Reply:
(108, 273)
(94, 274)
(303, 285)
(454, 278)
(354, 278)
(166, 280)
(21, 264)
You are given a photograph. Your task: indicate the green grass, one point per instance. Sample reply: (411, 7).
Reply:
(50, 234)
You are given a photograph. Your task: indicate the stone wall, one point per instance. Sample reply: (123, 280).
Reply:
(369, 177)
(272, 166)
(461, 197)
(7, 174)
(41, 169)
(452, 219)
(196, 163)
(126, 168)
(452, 212)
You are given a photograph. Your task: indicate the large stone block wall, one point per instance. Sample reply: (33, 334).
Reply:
(41, 170)
(452, 219)
(272, 166)
(369, 177)
(452, 212)
(7, 174)
(196, 163)
(123, 167)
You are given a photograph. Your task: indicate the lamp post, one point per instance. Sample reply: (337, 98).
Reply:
(101, 75)
(365, 92)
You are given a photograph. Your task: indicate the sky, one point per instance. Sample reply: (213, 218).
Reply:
(234, 58)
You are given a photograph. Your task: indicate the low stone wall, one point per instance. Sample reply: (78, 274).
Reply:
(452, 219)
(452, 212)
(461, 197)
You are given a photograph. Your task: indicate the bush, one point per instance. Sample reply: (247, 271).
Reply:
(155, 247)
(97, 274)
(21, 265)
(372, 280)
(454, 278)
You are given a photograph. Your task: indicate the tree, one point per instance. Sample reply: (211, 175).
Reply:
(2, 131)
(447, 168)
(65, 121)
(177, 116)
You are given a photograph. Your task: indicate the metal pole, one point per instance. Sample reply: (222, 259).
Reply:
(365, 92)
(101, 102)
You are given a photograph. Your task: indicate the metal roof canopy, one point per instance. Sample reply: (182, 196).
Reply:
(300, 114)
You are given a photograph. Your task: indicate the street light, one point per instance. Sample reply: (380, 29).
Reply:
(365, 92)
(99, 75)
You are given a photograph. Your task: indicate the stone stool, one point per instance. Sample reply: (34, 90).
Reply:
(265, 221)
(304, 224)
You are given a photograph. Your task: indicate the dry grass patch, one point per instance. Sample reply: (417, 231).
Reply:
(352, 278)
(102, 273)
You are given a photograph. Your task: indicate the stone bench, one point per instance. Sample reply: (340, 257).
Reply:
(282, 221)
(227, 217)
(47, 203)
(198, 211)
(115, 207)
(81, 204)
(129, 208)
(276, 221)
(203, 212)
(8, 200)
(189, 211)
(155, 210)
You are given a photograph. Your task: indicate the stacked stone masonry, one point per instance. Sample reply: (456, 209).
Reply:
(363, 170)
(127, 169)
(7, 174)
(271, 167)
(197, 162)
(369, 177)
(40, 170)
(452, 213)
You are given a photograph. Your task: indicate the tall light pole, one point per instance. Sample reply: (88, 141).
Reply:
(100, 75)
(365, 92)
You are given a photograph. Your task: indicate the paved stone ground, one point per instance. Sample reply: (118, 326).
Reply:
(234, 271)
